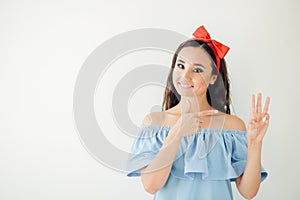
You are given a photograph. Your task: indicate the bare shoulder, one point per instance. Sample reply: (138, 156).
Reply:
(234, 122)
(153, 118)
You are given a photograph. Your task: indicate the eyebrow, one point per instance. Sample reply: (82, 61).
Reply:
(196, 64)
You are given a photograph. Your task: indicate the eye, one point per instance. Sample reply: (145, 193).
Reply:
(180, 66)
(198, 70)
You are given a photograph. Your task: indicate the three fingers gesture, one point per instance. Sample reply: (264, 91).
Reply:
(259, 119)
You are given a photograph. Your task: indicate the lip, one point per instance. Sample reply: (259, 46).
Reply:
(185, 85)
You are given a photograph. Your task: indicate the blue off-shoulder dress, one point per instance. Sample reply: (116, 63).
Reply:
(204, 166)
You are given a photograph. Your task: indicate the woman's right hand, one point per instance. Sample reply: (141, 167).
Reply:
(191, 122)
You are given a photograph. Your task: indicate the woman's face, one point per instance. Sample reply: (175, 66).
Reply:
(193, 72)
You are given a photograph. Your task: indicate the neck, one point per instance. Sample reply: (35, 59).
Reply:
(197, 104)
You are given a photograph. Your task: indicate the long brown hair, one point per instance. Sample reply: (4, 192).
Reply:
(217, 94)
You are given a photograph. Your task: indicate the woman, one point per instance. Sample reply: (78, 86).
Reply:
(194, 148)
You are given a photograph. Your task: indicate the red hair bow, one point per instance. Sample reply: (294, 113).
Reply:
(219, 49)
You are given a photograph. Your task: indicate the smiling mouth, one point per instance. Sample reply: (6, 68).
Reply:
(185, 86)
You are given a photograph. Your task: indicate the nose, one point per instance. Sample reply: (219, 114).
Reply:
(187, 73)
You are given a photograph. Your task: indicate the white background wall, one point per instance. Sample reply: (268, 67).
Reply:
(44, 43)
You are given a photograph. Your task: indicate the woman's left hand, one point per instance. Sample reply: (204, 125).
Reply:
(259, 120)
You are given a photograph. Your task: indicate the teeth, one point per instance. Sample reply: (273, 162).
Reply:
(185, 85)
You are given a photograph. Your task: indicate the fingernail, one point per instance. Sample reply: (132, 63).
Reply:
(264, 119)
(216, 111)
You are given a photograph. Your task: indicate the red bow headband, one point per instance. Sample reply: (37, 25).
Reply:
(219, 49)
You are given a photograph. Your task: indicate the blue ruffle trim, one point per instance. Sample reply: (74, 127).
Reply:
(210, 154)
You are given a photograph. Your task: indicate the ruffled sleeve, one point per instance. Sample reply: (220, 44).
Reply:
(144, 148)
(214, 154)
(210, 154)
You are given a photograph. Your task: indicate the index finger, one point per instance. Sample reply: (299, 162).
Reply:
(267, 103)
(207, 112)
